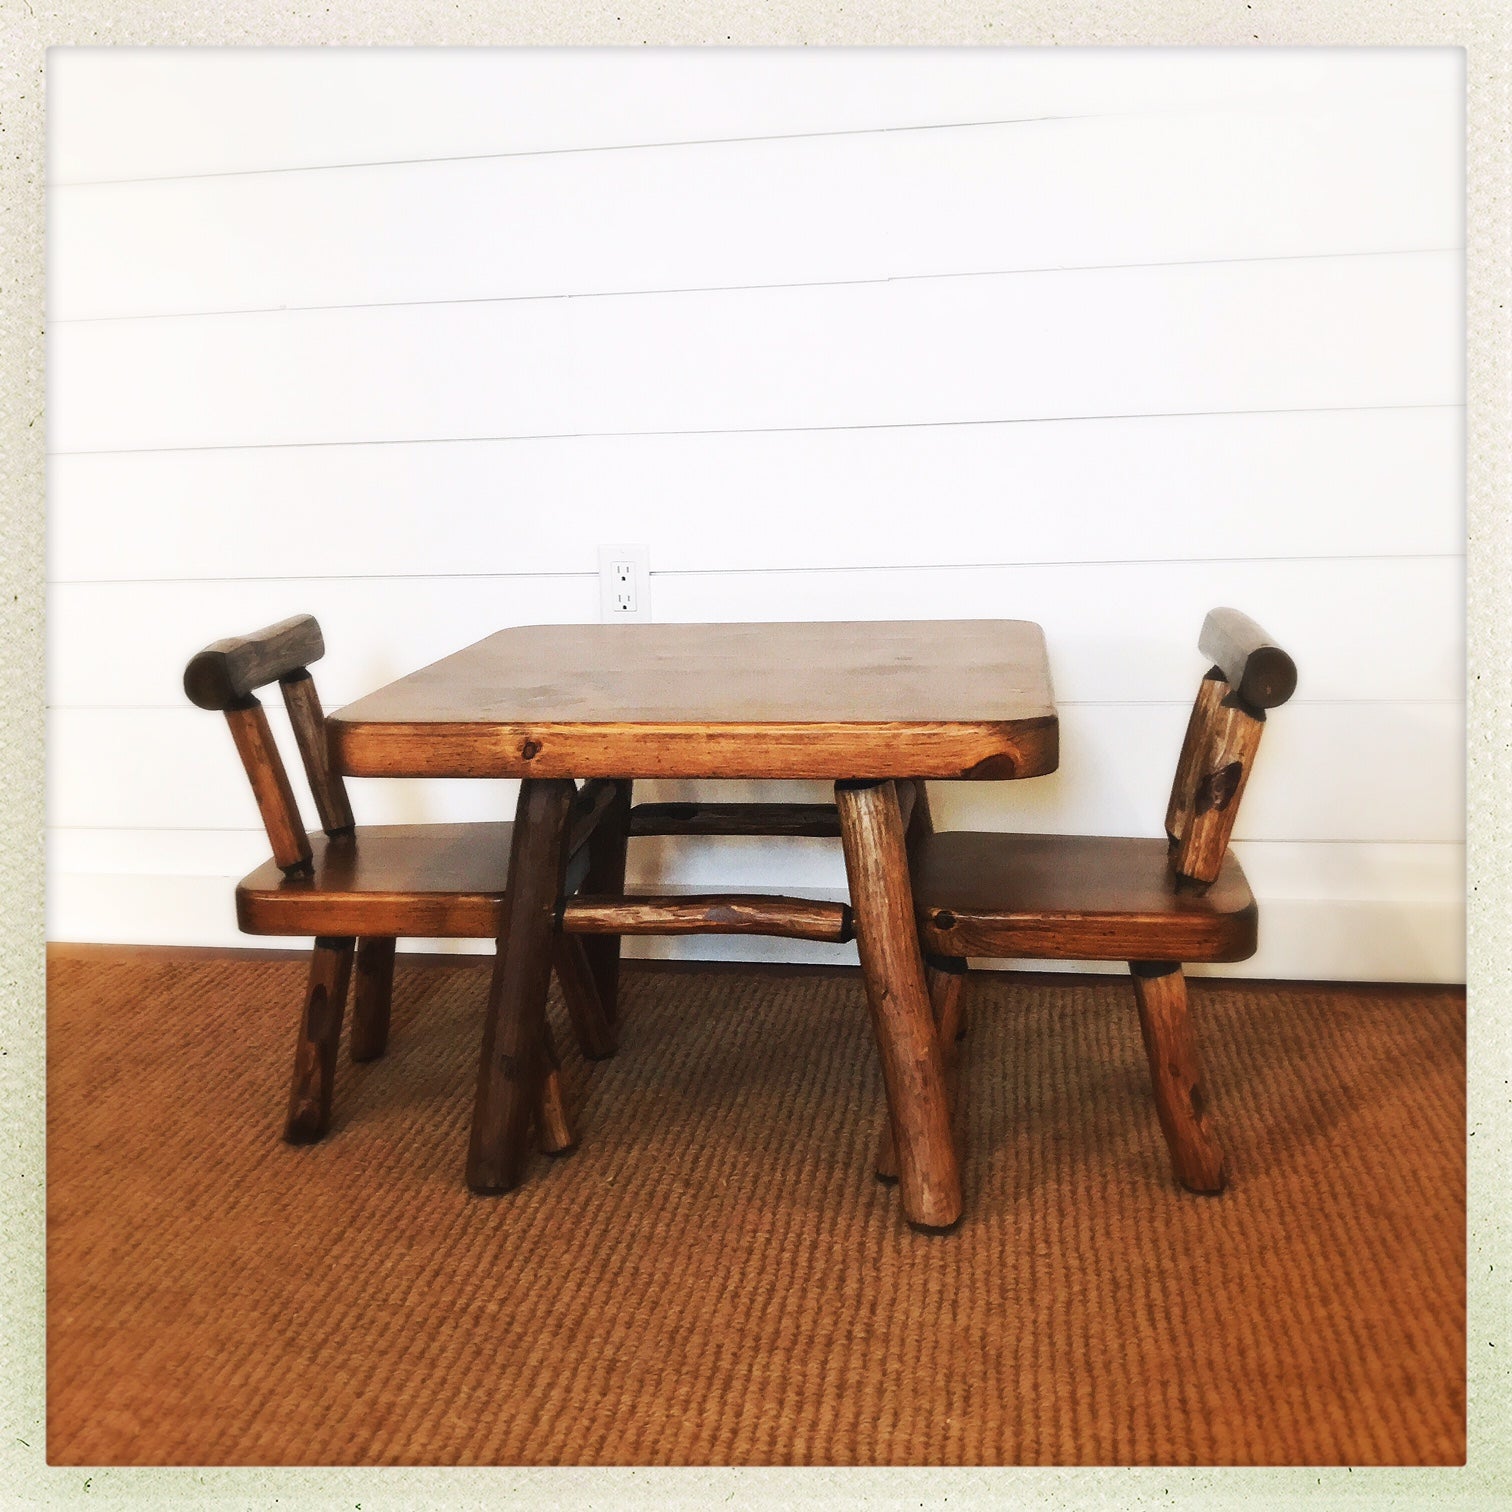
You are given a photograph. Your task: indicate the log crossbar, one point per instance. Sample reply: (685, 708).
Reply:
(594, 800)
(720, 913)
(816, 820)
(820, 821)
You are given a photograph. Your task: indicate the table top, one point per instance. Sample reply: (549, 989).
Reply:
(902, 698)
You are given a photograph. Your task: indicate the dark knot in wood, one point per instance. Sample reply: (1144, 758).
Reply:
(530, 750)
(1217, 789)
(992, 769)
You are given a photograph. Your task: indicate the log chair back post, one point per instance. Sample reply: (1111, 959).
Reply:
(224, 676)
(1249, 675)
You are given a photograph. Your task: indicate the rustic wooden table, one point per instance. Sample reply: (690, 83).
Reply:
(862, 704)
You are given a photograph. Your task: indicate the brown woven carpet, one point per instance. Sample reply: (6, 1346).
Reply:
(714, 1276)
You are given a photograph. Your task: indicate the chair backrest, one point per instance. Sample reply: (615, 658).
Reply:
(224, 676)
(1250, 674)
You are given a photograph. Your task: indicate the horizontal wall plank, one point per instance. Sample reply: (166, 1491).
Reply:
(127, 644)
(1333, 940)
(1116, 631)
(1295, 869)
(1335, 484)
(1329, 772)
(1332, 333)
(1049, 194)
(1326, 772)
(1128, 631)
(122, 113)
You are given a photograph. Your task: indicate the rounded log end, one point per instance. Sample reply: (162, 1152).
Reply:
(1270, 678)
(224, 674)
(1257, 669)
(207, 682)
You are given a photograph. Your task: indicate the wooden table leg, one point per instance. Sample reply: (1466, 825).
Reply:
(513, 1061)
(945, 978)
(876, 863)
(606, 877)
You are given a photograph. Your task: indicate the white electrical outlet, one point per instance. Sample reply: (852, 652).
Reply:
(624, 583)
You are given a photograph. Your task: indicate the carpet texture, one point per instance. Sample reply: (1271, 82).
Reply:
(714, 1276)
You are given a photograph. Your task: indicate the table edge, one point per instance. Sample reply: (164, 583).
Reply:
(970, 750)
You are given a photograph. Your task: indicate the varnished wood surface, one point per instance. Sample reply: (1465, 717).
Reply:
(1219, 780)
(513, 1061)
(1210, 694)
(913, 1068)
(1176, 1076)
(720, 913)
(585, 1004)
(223, 674)
(428, 880)
(307, 719)
(1253, 665)
(372, 999)
(813, 820)
(968, 698)
(1076, 898)
(946, 987)
(270, 785)
(314, 1080)
(553, 1127)
(605, 873)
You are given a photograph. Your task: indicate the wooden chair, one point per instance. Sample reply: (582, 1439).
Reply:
(358, 891)
(1152, 903)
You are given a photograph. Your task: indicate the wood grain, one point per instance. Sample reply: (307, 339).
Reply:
(511, 1065)
(307, 719)
(553, 1128)
(595, 800)
(946, 985)
(607, 848)
(876, 863)
(967, 698)
(1253, 665)
(1160, 989)
(270, 785)
(719, 913)
(372, 999)
(224, 673)
(319, 1034)
(1210, 693)
(1221, 776)
(1075, 898)
(438, 881)
(814, 820)
(592, 1025)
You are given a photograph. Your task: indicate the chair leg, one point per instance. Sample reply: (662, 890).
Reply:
(580, 991)
(372, 999)
(607, 847)
(319, 1035)
(1160, 988)
(554, 1134)
(946, 980)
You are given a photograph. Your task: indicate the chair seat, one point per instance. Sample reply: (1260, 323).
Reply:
(1075, 898)
(429, 880)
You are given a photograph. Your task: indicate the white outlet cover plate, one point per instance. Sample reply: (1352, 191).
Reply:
(639, 558)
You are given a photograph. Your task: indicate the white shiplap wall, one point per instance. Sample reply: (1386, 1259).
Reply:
(1094, 338)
